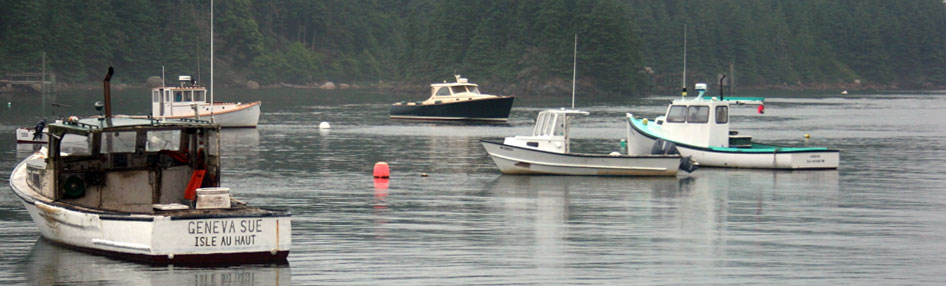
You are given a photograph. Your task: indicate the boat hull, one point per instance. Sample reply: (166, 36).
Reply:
(230, 115)
(639, 141)
(208, 237)
(485, 109)
(523, 161)
(26, 135)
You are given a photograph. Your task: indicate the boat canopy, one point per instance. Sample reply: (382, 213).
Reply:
(554, 122)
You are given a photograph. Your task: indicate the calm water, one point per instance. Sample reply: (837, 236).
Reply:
(878, 219)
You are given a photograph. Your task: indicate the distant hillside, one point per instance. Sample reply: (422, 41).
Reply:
(525, 46)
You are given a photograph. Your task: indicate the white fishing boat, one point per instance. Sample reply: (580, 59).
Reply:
(699, 128)
(146, 190)
(29, 135)
(547, 152)
(190, 98)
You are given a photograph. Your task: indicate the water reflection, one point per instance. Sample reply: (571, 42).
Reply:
(49, 264)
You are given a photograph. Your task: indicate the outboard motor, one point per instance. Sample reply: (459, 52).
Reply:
(687, 164)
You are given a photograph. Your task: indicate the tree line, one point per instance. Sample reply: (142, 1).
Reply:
(624, 46)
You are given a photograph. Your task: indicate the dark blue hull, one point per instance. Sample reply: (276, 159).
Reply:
(487, 109)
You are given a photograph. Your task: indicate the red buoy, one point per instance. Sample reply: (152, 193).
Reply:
(381, 170)
(761, 109)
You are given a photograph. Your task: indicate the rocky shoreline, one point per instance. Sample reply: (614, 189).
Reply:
(518, 89)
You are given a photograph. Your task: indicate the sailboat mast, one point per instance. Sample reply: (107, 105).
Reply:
(211, 61)
(574, 69)
(684, 60)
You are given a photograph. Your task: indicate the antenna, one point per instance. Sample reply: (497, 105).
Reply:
(211, 61)
(574, 69)
(684, 60)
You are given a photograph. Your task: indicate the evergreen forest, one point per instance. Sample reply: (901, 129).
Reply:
(625, 47)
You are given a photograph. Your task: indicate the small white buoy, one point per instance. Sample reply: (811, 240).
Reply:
(844, 92)
(614, 154)
(324, 125)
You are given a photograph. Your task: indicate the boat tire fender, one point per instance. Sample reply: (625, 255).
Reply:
(662, 147)
(73, 187)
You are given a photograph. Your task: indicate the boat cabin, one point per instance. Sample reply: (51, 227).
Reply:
(179, 100)
(125, 164)
(702, 122)
(550, 132)
(462, 89)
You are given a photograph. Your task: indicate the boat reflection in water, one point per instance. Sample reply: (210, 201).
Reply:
(649, 221)
(49, 264)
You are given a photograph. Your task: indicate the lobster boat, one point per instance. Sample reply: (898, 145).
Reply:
(146, 190)
(699, 128)
(459, 101)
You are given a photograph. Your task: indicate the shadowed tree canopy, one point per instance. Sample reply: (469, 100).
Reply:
(626, 47)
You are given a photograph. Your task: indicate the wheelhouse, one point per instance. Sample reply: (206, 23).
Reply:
(178, 100)
(128, 165)
(550, 132)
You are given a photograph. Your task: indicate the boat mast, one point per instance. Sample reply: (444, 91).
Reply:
(574, 69)
(684, 60)
(211, 61)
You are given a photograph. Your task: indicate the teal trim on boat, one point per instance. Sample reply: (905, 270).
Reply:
(744, 98)
(762, 148)
(639, 125)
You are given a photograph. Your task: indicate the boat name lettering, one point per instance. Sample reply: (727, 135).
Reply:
(505, 148)
(814, 156)
(225, 226)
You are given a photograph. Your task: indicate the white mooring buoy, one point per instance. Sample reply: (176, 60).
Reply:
(324, 125)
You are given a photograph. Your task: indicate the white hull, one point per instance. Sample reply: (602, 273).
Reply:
(25, 135)
(215, 238)
(517, 160)
(638, 143)
(228, 115)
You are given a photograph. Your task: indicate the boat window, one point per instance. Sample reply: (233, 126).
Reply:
(73, 144)
(722, 114)
(443, 91)
(538, 124)
(698, 114)
(163, 140)
(543, 124)
(188, 96)
(458, 89)
(119, 142)
(178, 96)
(199, 95)
(167, 96)
(473, 89)
(678, 113)
(212, 141)
(559, 125)
(155, 96)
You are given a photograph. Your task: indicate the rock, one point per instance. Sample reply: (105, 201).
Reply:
(328, 85)
(252, 84)
(343, 86)
(355, 86)
(153, 81)
(857, 81)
